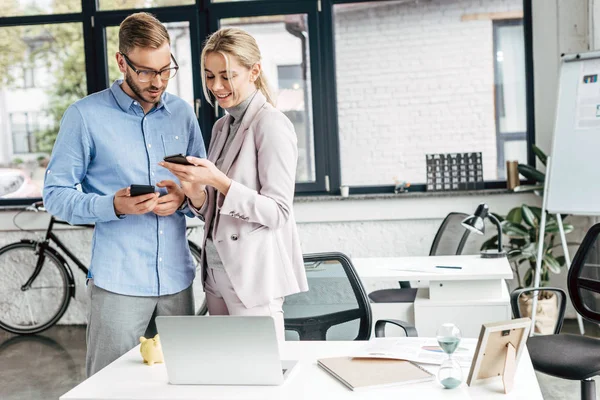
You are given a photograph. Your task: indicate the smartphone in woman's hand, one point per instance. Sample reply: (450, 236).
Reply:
(177, 159)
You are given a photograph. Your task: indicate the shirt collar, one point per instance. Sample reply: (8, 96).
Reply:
(125, 102)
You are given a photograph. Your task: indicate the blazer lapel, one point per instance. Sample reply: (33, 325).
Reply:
(254, 107)
(215, 150)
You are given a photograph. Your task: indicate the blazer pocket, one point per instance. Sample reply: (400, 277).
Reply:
(174, 144)
(255, 230)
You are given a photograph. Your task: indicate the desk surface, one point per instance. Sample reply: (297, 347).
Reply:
(424, 268)
(129, 378)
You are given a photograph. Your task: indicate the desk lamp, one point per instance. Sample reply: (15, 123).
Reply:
(475, 223)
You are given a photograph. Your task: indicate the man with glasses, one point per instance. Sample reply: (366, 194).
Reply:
(141, 265)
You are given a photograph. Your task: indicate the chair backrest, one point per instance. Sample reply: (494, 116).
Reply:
(584, 277)
(451, 236)
(335, 307)
(521, 304)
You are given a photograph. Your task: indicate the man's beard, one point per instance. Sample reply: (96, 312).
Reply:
(139, 92)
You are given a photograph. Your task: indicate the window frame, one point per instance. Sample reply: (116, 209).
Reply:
(258, 8)
(204, 15)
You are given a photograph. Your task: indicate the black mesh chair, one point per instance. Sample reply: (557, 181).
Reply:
(336, 307)
(449, 240)
(566, 356)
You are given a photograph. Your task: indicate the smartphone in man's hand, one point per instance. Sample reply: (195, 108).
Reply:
(177, 159)
(138, 190)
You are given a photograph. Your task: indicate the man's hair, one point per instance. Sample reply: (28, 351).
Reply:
(142, 30)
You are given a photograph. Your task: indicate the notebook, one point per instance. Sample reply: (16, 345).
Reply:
(362, 373)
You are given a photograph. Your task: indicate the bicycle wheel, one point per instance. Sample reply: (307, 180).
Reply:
(199, 295)
(32, 310)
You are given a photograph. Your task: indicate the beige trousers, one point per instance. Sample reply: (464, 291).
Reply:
(221, 299)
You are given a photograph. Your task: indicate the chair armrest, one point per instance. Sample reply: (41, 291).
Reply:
(410, 330)
(562, 302)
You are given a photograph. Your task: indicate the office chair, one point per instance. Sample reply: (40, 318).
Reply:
(450, 239)
(573, 357)
(336, 307)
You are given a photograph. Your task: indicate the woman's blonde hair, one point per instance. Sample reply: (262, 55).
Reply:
(239, 44)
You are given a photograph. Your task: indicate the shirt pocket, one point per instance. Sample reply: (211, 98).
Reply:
(174, 144)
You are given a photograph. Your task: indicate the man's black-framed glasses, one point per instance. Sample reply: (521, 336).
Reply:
(145, 75)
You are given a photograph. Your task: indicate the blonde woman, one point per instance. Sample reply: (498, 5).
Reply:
(245, 189)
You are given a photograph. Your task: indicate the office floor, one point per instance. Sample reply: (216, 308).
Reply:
(48, 365)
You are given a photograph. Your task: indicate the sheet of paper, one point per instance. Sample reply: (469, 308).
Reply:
(426, 351)
(588, 96)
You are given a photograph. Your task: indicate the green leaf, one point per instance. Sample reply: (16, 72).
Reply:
(537, 211)
(498, 216)
(568, 228)
(514, 230)
(552, 227)
(530, 250)
(514, 215)
(561, 260)
(491, 243)
(552, 263)
(518, 242)
(539, 154)
(529, 216)
(515, 253)
(531, 173)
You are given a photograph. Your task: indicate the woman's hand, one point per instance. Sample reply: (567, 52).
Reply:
(194, 178)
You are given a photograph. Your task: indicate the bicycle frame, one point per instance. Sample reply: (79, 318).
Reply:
(42, 246)
(45, 245)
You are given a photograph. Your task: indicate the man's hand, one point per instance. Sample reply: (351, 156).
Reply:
(125, 204)
(170, 202)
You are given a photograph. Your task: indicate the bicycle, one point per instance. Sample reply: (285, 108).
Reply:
(42, 280)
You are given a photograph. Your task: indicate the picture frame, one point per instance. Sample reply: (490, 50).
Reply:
(498, 351)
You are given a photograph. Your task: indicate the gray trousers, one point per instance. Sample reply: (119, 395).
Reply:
(116, 322)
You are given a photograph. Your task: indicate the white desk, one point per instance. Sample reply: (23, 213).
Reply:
(469, 297)
(127, 378)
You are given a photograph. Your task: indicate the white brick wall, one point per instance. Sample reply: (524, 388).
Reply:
(414, 79)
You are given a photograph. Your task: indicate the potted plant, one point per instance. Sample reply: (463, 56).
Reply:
(521, 226)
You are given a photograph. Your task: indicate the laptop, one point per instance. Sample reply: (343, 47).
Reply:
(222, 350)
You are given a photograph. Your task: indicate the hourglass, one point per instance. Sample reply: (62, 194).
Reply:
(450, 373)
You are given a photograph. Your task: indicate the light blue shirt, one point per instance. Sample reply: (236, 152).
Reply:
(106, 143)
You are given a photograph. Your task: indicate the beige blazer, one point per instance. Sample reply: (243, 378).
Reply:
(255, 230)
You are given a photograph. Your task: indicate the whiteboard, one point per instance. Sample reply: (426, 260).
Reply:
(573, 181)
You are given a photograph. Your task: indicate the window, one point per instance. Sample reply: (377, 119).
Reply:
(371, 87)
(511, 109)
(140, 4)
(284, 44)
(23, 138)
(416, 78)
(12, 8)
(32, 103)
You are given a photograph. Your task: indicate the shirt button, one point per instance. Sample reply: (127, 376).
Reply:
(135, 103)
(161, 232)
(160, 259)
(177, 137)
(152, 173)
(149, 145)
(48, 172)
(234, 237)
